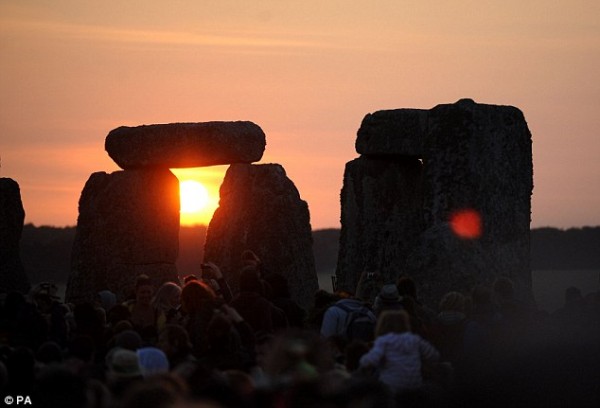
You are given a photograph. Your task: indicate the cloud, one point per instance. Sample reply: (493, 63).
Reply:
(243, 39)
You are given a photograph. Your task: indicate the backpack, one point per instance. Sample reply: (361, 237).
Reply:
(359, 323)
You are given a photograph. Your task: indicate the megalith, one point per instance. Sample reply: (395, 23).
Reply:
(128, 225)
(381, 217)
(475, 158)
(176, 145)
(12, 216)
(129, 220)
(260, 209)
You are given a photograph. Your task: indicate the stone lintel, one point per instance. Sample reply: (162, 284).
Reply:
(182, 145)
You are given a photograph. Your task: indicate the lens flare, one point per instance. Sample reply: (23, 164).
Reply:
(466, 223)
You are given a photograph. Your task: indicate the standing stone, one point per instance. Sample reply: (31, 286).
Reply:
(478, 157)
(177, 145)
(12, 215)
(260, 209)
(475, 157)
(128, 225)
(392, 133)
(381, 217)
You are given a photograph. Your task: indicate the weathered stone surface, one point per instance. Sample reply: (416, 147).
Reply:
(128, 224)
(479, 157)
(442, 262)
(177, 145)
(381, 218)
(393, 132)
(475, 157)
(12, 215)
(260, 209)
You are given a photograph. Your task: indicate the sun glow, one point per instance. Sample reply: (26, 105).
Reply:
(198, 193)
(193, 195)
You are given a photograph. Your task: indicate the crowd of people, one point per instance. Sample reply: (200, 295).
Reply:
(194, 343)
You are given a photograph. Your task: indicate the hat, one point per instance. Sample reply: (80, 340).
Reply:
(123, 363)
(389, 293)
(152, 361)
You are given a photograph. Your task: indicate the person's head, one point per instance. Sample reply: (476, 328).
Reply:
(174, 340)
(117, 313)
(250, 280)
(152, 361)
(128, 340)
(389, 294)
(123, 364)
(106, 299)
(406, 287)
(249, 258)
(190, 277)
(392, 321)
(167, 297)
(452, 302)
(49, 353)
(143, 290)
(195, 296)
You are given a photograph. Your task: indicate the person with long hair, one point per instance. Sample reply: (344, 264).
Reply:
(198, 304)
(167, 301)
(397, 353)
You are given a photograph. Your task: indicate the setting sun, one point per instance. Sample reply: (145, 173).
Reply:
(194, 196)
(199, 193)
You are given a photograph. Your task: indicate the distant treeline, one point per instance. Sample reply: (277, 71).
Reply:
(46, 251)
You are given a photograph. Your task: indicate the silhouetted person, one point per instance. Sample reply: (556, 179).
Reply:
(167, 302)
(448, 329)
(144, 316)
(231, 341)
(421, 316)
(397, 354)
(198, 304)
(260, 314)
(281, 298)
(349, 318)
(175, 342)
(387, 299)
(322, 301)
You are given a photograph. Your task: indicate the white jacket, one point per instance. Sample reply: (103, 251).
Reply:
(398, 356)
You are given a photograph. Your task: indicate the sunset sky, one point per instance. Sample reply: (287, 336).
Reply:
(307, 72)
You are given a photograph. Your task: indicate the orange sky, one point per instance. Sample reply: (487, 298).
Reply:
(306, 72)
